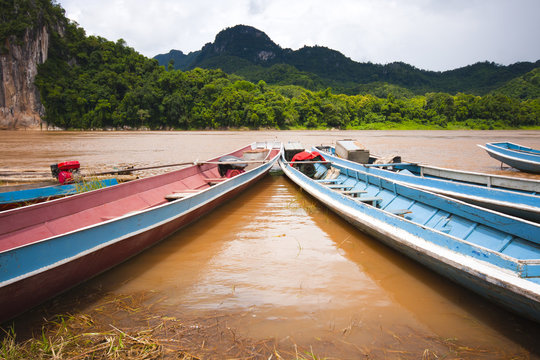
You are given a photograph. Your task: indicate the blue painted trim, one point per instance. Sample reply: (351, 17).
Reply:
(52, 252)
(513, 226)
(51, 191)
(507, 196)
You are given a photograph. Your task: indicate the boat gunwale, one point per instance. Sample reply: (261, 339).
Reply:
(130, 191)
(261, 169)
(510, 191)
(217, 189)
(137, 212)
(517, 200)
(514, 158)
(519, 265)
(520, 148)
(475, 266)
(474, 198)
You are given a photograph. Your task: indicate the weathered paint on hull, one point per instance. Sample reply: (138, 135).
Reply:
(30, 292)
(497, 293)
(518, 300)
(530, 164)
(521, 204)
(14, 199)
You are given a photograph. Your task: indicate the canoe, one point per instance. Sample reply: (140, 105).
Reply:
(520, 157)
(495, 255)
(17, 198)
(514, 196)
(50, 247)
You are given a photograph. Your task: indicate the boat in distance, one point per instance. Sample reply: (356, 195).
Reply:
(17, 198)
(517, 156)
(492, 254)
(510, 195)
(49, 247)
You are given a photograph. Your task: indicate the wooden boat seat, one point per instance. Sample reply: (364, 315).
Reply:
(340, 186)
(353, 192)
(181, 194)
(374, 200)
(400, 212)
(327, 180)
(214, 180)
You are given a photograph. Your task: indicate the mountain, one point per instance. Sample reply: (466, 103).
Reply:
(249, 52)
(523, 87)
(180, 60)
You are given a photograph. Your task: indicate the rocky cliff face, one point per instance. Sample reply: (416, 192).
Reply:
(20, 105)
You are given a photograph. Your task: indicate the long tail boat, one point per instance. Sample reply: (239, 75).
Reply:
(492, 254)
(510, 195)
(30, 195)
(517, 156)
(50, 247)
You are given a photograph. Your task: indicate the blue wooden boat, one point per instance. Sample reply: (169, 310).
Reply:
(514, 196)
(520, 157)
(495, 255)
(17, 198)
(49, 247)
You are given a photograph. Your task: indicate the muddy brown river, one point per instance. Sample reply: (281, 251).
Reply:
(278, 264)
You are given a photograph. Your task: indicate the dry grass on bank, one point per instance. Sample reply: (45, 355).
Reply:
(129, 327)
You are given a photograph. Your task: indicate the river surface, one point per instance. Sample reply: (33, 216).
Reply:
(278, 264)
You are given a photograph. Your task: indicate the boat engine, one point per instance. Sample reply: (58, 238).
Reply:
(64, 171)
(229, 169)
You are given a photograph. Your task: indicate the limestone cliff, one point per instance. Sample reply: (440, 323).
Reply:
(20, 105)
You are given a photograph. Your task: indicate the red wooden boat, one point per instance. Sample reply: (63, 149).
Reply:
(50, 247)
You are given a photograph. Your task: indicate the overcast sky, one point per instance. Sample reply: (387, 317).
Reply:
(429, 34)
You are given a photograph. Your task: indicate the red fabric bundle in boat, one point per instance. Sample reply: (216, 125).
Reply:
(307, 156)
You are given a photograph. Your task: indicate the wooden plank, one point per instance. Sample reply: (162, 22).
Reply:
(389, 164)
(339, 186)
(372, 199)
(327, 180)
(400, 212)
(213, 181)
(181, 194)
(346, 192)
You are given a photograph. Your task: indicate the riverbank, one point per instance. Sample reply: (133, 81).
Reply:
(271, 272)
(92, 335)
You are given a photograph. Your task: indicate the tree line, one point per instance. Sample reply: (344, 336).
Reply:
(91, 83)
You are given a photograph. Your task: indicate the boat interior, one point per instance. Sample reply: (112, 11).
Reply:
(498, 234)
(40, 221)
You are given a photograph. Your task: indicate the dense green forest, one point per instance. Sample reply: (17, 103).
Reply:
(89, 82)
(248, 52)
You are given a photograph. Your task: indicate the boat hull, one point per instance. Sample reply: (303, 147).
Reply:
(523, 204)
(29, 292)
(516, 159)
(18, 198)
(491, 282)
(66, 260)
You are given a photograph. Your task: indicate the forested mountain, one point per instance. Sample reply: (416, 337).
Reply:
(178, 58)
(88, 82)
(523, 87)
(249, 52)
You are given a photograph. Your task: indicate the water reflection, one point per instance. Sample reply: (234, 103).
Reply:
(282, 265)
(285, 266)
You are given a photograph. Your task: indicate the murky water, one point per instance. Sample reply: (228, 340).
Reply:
(281, 265)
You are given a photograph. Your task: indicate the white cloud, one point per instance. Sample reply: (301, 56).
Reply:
(429, 34)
